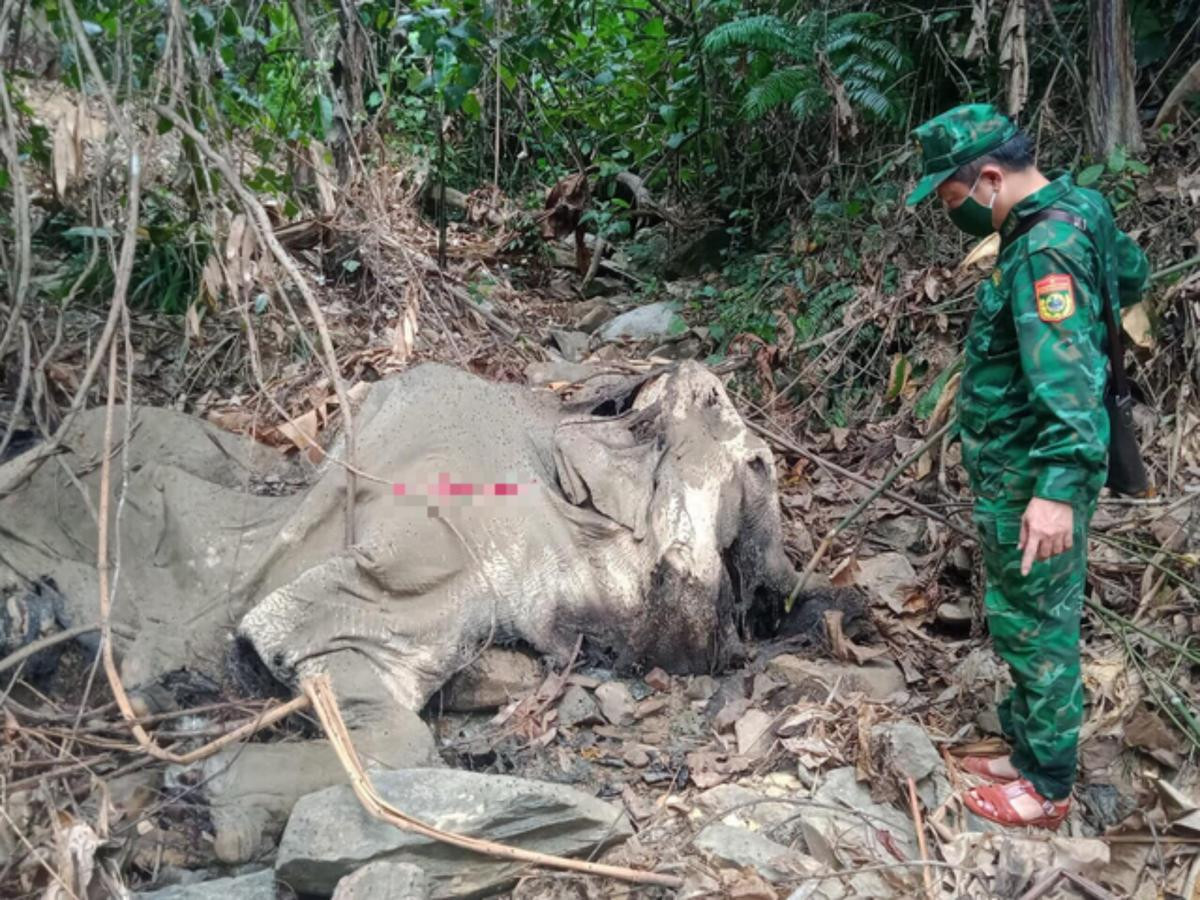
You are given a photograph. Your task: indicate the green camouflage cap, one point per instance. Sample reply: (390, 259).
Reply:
(956, 137)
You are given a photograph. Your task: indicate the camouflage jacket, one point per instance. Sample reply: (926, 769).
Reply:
(1031, 401)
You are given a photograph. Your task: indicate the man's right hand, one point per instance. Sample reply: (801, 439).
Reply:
(1047, 528)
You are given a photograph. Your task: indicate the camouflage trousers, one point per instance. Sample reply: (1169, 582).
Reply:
(1034, 624)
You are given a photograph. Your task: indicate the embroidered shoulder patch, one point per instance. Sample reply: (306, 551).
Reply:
(1055, 298)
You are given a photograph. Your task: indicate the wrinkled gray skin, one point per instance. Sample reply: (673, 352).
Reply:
(651, 533)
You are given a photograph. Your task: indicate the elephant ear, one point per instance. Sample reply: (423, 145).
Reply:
(611, 463)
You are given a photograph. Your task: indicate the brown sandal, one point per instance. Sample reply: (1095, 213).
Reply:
(1000, 797)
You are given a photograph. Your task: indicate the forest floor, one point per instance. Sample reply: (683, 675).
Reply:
(811, 770)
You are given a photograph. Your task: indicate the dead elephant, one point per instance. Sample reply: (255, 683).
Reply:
(501, 516)
(647, 521)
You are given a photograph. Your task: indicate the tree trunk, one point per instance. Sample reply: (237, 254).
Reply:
(1112, 107)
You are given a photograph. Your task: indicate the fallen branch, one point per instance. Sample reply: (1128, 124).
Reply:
(266, 236)
(121, 283)
(22, 385)
(1187, 653)
(1186, 86)
(19, 285)
(908, 502)
(915, 808)
(320, 692)
(1177, 267)
(55, 639)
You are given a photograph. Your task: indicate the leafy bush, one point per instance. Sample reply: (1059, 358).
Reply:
(822, 56)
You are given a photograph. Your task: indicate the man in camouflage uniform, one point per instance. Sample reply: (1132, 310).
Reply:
(1034, 432)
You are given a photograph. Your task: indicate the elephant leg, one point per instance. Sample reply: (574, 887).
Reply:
(253, 787)
(336, 618)
(390, 731)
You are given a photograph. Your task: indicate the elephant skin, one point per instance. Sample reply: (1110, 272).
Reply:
(652, 530)
(651, 533)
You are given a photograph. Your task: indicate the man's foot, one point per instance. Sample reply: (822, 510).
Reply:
(997, 769)
(1018, 804)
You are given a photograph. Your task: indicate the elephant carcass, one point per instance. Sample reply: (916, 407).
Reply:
(651, 533)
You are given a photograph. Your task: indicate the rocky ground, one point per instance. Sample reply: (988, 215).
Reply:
(821, 767)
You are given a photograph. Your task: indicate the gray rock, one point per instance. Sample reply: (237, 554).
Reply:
(740, 806)
(578, 708)
(594, 318)
(490, 682)
(988, 721)
(900, 532)
(857, 832)
(878, 679)
(543, 373)
(747, 849)
(616, 702)
(700, 687)
(601, 286)
(981, 675)
(256, 886)
(252, 788)
(908, 749)
(572, 345)
(330, 835)
(954, 614)
(684, 348)
(934, 790)
(384, 881)
(651, 321)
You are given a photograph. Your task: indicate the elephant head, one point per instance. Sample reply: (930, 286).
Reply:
(682, 472)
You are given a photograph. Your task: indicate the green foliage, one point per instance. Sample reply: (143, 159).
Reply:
(822, 57)
(928, 400)
(1116, 177)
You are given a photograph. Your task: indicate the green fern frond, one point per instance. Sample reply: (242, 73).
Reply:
(886, 52)
(855, 21)
(808, 102)
(767, 33)
(779, 87)
(862, 68)
(864, 44)
(869, 97)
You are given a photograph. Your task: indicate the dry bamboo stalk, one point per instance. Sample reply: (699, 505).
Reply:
(915, 807)
(320, 692)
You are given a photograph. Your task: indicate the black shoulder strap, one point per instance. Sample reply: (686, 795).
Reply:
(1116, 351)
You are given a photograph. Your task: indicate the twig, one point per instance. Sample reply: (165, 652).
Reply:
(33, 459)
(1190, 655)
(20, 212)
(320, 692)
(22, 387)
(28, 846)
(1043, 887)
(841, 526)
(499, 13)
(594, 263)
(266, 236)
(915, 808)
(908, 502)
(1177, 267)
(121, 283)
(45, 643)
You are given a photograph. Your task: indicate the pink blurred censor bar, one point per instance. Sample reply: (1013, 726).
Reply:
(447, 488)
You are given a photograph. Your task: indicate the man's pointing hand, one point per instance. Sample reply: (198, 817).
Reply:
(1046, 529)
